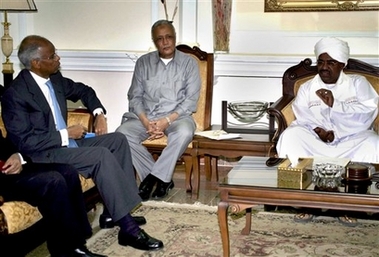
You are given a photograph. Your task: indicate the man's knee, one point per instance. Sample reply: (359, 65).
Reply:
(117, 139)
(294, 133)
(53, 181)
(187, 135)
(120, 137)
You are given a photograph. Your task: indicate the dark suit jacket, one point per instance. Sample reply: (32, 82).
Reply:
(6, 148)
(27, 115)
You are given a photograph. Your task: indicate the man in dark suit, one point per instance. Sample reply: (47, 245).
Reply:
(56, 190)
(32, 114)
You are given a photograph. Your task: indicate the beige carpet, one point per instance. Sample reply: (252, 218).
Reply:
(192, 231)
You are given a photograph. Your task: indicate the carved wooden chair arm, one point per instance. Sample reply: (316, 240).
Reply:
(278, 109)
(282, 112)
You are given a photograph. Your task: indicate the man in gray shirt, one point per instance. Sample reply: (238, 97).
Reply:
(163, 95)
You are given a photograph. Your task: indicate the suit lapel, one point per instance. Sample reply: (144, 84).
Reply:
(38, 97)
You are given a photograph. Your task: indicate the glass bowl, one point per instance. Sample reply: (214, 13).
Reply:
(326, 184)
(247, 111)
(328, 170)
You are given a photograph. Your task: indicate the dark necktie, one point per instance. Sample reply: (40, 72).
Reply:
(60, 123)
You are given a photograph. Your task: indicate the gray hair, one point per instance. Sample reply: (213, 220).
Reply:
(160, 23)
(28, 49)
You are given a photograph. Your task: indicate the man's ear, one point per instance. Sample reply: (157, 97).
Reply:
(35, 64)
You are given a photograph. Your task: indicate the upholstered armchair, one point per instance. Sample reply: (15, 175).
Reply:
(202, 118)
(292, 80)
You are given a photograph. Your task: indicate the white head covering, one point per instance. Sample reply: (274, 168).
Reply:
(336, 48)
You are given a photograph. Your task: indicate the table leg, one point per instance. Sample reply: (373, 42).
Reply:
(224, 230)
(208, 167)
(214, 166)
(246, 230)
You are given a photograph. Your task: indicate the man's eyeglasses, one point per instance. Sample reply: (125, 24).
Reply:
(166, 38)
(51, 57)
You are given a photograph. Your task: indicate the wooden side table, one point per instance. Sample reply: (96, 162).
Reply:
(247, 145)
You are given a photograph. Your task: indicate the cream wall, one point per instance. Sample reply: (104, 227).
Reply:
(99, 41)
(121, 25)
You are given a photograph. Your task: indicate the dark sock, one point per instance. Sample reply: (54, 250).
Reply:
(128, 225)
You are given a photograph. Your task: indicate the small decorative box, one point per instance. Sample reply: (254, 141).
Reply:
(299, 177)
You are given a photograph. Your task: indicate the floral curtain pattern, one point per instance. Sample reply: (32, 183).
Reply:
(222, 13)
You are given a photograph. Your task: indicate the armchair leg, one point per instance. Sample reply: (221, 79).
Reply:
(196, 176)
(188, 162)
(195, 163)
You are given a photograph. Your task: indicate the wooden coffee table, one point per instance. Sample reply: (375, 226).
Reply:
(251, 183)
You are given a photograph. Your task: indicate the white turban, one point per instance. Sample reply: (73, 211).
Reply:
(334, 47)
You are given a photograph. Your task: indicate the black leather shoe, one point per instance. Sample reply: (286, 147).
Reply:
(105, 221)
(146, 187)
(142, 241)
(162, 189)
(84, 252)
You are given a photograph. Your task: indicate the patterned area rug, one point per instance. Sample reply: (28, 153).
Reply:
(193, 231)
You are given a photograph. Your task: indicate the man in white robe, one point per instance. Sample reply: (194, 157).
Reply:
(334, 116)
(334, 112)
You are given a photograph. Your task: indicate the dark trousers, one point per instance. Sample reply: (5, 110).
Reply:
(56, 190)
(107, 160)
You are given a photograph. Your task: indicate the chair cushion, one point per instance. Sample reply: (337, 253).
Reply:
(86, 183)
(161, 142)
(19, 215)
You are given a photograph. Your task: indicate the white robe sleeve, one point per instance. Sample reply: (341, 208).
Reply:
(359, 109)
(307, 109)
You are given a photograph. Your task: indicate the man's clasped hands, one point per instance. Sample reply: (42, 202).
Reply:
(156, 128)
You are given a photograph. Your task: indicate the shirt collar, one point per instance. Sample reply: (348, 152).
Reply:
(39, 80)
(175, 59)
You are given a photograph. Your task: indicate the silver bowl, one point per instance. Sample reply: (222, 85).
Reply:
(247, 111)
